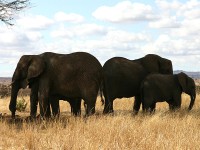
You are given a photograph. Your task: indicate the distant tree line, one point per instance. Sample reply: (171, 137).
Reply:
(5, 91)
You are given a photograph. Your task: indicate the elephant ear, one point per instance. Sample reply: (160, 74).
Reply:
(182, 78)
(36, 67)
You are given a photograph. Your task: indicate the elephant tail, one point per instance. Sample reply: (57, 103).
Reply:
(101, 94)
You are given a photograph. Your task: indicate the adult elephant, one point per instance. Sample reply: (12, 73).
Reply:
(122, 77)
(73, 76)
(158, 88)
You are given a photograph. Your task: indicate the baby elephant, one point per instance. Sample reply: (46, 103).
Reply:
(159, 88)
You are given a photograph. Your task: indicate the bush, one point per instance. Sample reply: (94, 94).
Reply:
(5, 90)
(21, 105)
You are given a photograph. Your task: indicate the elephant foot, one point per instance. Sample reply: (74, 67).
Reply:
(30, 119)
(33, 118)
(76, 114)
(105, 112)
(13, 115)
(135, 112)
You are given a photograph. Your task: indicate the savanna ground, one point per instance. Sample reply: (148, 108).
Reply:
(163, 130)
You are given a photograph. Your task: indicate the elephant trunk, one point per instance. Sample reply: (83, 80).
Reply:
(13, 101)
(192, 97)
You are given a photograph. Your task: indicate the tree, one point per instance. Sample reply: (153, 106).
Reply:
(9, 8)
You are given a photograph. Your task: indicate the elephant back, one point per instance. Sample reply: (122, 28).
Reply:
(156, 64)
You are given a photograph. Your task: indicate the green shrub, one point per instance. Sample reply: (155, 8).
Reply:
(21, 105)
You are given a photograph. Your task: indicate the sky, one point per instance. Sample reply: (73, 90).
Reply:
(105, 28)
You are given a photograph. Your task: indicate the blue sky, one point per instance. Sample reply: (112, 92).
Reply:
(131, 29)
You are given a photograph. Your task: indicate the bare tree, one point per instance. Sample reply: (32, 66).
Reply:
(9, 8)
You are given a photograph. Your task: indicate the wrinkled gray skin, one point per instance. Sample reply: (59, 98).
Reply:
(54, 76)
(122, 77)
(158, 88)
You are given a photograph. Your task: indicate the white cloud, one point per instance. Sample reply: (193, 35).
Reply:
(15, 42)
(112, 43)
(192, 14)
(125, 11)
(165, 22)
(168, 5)
(189, 10)
(79, 31)
(95, 37)
(71, 17)
(168, 45)
(123, 36)
(37, 22)
(34, 36)
(178, 33)
(12, 39)
(167, 14)
(188, 29)
(191, 4)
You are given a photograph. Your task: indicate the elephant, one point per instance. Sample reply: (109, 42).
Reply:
(159, 88)
(122, 77)
(52, 76)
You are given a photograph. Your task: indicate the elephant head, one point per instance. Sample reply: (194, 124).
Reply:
(188, 86)
(28, 67)
(156, 64)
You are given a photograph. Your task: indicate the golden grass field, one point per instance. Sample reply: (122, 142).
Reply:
(163, 130)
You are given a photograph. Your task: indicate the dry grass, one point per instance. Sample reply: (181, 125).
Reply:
(163, 130)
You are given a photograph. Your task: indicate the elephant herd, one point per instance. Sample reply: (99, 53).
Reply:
(76, 76)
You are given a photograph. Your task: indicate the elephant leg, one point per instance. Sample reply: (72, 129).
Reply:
(90, 105)
(152, 108)
(108, 107)
(90, 97)
(178, 102)
(90, 109)
(75, 106)
(34, 100)
(44, 102)
(175, 103)
(171, 105)
(111, 110)
(147, 105)
(44, 108)
(48, 112)
(78, 107)
(137, 104)
(55, 106)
